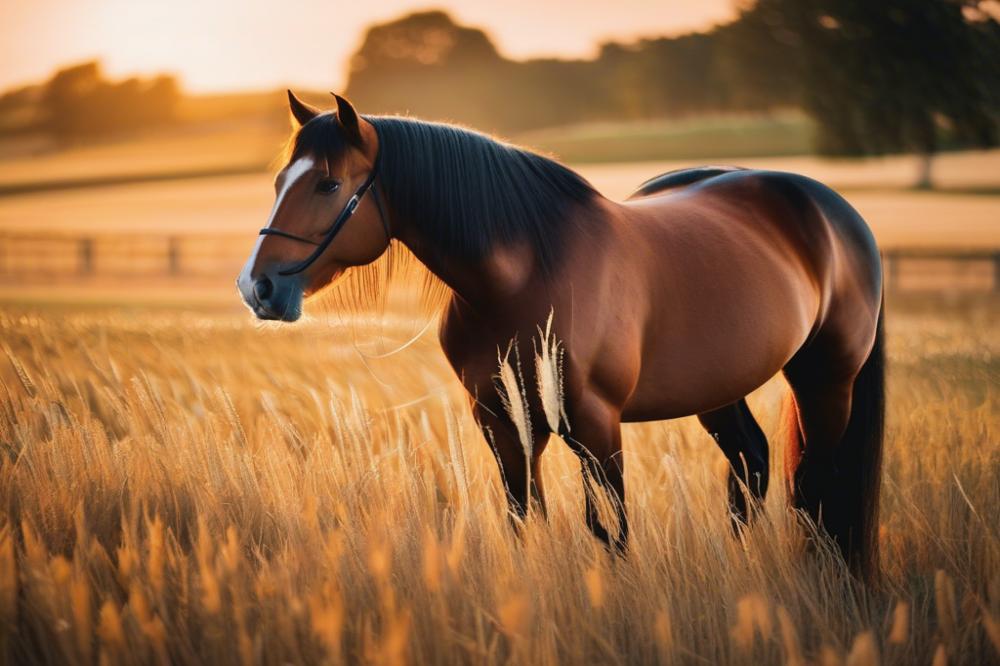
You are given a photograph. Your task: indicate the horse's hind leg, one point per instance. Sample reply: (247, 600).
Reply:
(743, 442)
(822, 411)
(833, 461)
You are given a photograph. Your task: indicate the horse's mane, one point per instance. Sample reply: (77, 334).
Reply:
(466, 191)
(469, 192)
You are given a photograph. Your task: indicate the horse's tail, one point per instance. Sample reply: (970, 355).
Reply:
(859, 460)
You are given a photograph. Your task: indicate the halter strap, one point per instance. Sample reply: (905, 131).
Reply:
(338, 224)
(267, 231)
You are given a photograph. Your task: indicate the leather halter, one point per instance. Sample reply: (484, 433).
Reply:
(345, 214)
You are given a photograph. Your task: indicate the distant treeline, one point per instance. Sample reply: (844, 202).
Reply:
(887, 76)
(79, 102)
(874, 77)
(427, 65)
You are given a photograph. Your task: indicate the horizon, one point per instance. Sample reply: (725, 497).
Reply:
(222, 53)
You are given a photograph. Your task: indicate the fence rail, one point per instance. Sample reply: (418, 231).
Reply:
(929, 268)
(37, 257)
(42, 257)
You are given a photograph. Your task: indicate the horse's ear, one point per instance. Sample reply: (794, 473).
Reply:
(301, 111)
(348, 118)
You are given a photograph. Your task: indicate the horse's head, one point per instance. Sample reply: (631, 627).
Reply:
(314, 233)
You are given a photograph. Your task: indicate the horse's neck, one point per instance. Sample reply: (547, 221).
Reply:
(512, 271)
(501, 275)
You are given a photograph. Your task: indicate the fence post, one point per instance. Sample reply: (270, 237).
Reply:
(891, 263)
(86, 256)
(173, 256)
(996, 270)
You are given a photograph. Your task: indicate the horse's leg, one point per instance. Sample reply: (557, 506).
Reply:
(833, 464)
(596, 438)
(745, 446)
(822, 412)
(513, 462)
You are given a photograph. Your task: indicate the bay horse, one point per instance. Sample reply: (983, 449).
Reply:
(678, 301)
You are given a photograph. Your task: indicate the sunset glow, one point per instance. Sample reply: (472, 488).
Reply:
(229, 45)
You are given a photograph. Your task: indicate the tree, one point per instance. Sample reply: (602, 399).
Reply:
(881, 77)
(428, 65)
(79, 102)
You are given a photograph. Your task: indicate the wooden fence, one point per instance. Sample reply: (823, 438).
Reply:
(48, 257)
(28, 257)
(941, 269)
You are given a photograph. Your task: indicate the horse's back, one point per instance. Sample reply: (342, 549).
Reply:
(810, 213)
(825, 231)
(679, 178)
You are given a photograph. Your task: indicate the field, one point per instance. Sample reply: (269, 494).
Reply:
(702, 138)
(180, 485)
(215, 220)
(224, 139)
(963, 211)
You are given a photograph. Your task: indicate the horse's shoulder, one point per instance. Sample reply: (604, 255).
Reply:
(680, 178)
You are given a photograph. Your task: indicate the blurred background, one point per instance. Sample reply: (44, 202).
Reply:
(137, 139)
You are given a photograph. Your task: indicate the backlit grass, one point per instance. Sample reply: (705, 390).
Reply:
(188, 487)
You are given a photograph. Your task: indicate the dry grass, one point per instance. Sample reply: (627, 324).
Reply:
(187, 487)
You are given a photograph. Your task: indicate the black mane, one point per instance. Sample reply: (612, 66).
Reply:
(464, 190)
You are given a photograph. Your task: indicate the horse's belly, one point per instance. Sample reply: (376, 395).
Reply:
(719, 355)
(699, 393)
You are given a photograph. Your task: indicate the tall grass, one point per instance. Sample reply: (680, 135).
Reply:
(180, 487)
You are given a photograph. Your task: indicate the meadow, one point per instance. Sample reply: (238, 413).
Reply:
(182, 485)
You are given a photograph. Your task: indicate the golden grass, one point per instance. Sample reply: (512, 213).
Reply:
(183, 487)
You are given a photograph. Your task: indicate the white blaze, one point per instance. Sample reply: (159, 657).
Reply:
(292, 174)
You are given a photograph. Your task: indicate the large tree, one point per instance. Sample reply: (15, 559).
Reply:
(880, 77)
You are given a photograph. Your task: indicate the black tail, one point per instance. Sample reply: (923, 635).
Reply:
(859, 462)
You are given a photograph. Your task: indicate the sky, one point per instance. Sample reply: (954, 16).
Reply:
(228, 45)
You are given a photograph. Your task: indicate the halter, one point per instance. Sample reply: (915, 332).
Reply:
(338, 224)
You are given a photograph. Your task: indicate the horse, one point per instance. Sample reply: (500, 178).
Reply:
(678, 301)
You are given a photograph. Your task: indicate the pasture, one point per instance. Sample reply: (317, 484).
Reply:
(180, 485)
(963, 212)
(216, 219)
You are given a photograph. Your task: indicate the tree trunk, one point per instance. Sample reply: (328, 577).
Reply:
(924, 181)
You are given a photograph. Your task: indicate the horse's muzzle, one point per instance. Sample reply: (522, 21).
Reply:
(273, 298)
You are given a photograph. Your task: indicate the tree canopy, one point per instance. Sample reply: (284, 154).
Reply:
(877, 77)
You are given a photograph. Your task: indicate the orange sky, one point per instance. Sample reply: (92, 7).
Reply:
(249, 44)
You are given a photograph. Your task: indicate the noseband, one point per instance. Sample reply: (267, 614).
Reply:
(338, 224)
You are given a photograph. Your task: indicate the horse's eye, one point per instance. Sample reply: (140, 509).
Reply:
(327, 186)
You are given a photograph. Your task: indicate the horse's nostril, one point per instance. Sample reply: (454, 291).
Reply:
(263, 288)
